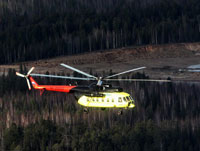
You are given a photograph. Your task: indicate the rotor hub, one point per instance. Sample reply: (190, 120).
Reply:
(99, 82)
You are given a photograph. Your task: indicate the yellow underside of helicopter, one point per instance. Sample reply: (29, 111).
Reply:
(109, 100)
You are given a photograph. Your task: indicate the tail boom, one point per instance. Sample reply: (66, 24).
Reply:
(58, 88)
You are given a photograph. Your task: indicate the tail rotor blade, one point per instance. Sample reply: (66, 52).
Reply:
(29, 72)
(28, 82)
(20, 75)
(26, 77)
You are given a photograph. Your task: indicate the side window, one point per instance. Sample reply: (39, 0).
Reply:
(102, 99)
(107, 99)
(112, 99)
(93, 100)
(88, 100)
(119, 99)
(97, 99)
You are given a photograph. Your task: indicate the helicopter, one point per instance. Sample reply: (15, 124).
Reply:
(98, 94)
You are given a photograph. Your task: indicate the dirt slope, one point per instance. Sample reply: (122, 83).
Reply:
(162, 61)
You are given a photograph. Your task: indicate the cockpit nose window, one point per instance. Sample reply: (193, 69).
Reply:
(131, 99)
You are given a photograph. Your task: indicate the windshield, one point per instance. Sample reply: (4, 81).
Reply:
(128, 99)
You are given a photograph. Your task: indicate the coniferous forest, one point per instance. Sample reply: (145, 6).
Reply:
(36, 29)
(166, 116)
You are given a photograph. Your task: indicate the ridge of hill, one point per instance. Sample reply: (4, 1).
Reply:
(162, 61)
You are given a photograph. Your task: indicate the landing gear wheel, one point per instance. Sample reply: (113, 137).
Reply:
(120, 112)
(85, 110)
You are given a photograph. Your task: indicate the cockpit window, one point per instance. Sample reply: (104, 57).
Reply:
(128, 98)
(131, 99)
(124, 99)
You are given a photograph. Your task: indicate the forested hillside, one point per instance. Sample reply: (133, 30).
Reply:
(166, 117)
(36, 29)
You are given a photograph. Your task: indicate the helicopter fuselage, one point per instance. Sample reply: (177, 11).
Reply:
(93, 96)
(108, 100)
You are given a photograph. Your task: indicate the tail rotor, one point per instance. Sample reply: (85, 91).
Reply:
(26, 77)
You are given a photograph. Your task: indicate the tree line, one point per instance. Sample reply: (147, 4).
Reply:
(35, 29)
(143, 136)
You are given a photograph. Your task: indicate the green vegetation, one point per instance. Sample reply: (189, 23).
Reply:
(38, 29)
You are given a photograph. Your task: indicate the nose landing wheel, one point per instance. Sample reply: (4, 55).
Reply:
(85, 110)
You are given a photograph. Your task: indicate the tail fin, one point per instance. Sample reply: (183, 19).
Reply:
(33, 82)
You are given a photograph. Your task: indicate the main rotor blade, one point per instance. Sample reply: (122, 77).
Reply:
(62, 77)
(20, 75)
(30, 70)
(124, 72)
(140, 80)
(28, 82)
(77, 70)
